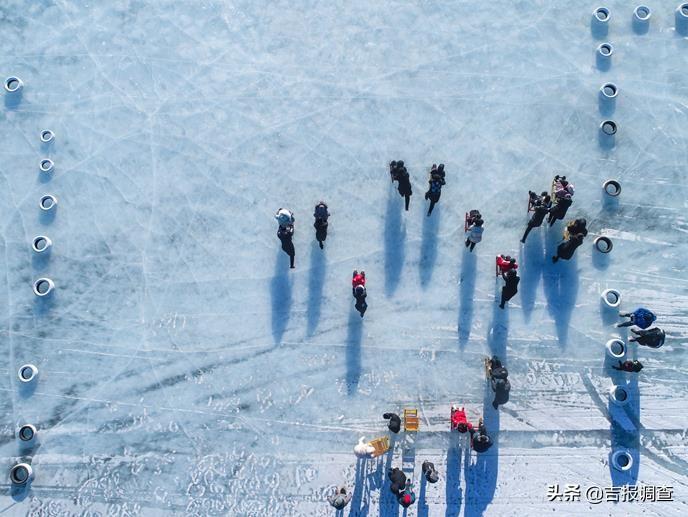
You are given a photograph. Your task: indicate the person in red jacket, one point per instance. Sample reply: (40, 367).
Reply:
(359, 291)
(459, 420)
(506, 263)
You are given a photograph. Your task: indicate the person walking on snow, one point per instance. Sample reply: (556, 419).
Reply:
(285, 235)
(435, 185)
(404, 185)
(340, 498)
(321, 215)
(500, 383)
(429, 472)
(641, 317)
(558, 211)
(575, 227)
(541, 206)
(511, 280)
(398, 481)
(359, 291)
(475, 233)
(566, 249)
(394, 168)
(394, 423)
(651, 338)
(629, 366)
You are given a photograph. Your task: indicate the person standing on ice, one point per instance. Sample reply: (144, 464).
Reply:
(629, 366)
(394, 168)
(321, 215)
(394, 423)
(474, 233)
(558, 211)
(435, 185)
(641, 317)
(285, 235)
(499, 380)
(566, 249)
(511, 280)
(340, 498)
(284, 217)
(404, 184)
(541, 206)
(651, 338)
(429, 472)
(359, 291)
(481, 441)
(398, 479)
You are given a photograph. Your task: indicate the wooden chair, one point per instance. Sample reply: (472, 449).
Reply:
(411, 420)
(381, 446)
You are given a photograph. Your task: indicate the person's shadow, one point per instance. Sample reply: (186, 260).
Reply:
(389, 506)
(467, 290)
(353, 351)
(361, 491)
(531, 270)
(428, 248)
(481, 475)
(453, 493)
(499, 327)
(280, 293)
(561, 290)
(316, 280)
(394, 238)
(422, 503)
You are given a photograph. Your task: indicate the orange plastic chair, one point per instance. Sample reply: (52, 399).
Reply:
(411, 420)
(381, 446)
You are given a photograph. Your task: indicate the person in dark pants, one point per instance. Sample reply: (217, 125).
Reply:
(511, 280)
(285, 234)
(394, 168)
(398, 479)
(541, 208)
(429, 472)
(499, 381)
(435, 185)
(404, 187)
(629, 366)
(575, 227)
(321, 215)
(340, 498)
(567, 248)
(558, 211)
(651, 338)
(359, 291)
(407, 497)
(641, 317)
(474, 233)
(394, 423)
(480, 440)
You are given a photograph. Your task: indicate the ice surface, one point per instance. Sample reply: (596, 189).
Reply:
(184, 369)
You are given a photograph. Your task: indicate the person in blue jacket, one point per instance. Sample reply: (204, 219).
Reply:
(641, 317)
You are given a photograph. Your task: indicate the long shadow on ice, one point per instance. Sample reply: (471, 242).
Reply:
(316, 280)
(353, 351)
(395, 235)
(561, 290)
(453, 493)
(280, 293)
(422, 503)
(389, 506)
(360, 489)
(428, 248)
(481, 474)
(499, 328)
(532, 264)
(467, 290)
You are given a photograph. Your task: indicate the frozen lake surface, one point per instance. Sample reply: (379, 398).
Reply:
(184, 369)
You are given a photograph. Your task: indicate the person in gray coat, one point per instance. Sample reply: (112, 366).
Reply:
(340, 498)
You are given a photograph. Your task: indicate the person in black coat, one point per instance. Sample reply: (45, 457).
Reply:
(499, 381)
(480, 440)
(559, 210)
(398, 479)
(394, 423)
(429, 472)
(652, 338)
(360, 295)
(629, 366)
(321, 215)
(285, 234)
(435, 183)
(394, 168)
(541, 207)
(404, 187)
(567, 248)
(511, 280)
